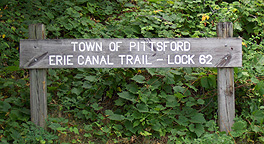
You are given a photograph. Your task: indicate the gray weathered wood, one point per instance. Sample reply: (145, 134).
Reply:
(225, 85)
(38, 86)
(43, 53)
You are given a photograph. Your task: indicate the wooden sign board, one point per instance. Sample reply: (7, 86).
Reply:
(122, 53)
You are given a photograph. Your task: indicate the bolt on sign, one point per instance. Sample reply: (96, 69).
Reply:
(123, 53)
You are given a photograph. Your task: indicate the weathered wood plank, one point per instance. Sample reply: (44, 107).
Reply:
(38, 96)
(143, 52)
(38, 86)
(225, 85)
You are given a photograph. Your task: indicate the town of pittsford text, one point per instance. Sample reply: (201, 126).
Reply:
(128, 59)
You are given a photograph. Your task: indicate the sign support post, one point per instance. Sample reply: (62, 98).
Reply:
(225, 85)
(38, 83)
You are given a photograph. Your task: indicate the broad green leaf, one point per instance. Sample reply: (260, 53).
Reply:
(169, 112)
(88, 135)
(137, 115)
(259, 116)
(118, 127)
(12, 68)
(260, 87)
(159, 107)
(154, 83)
(15, 134)
(142, 108)
(91, 78)
(182, 120)
(105, 129)
(169, 79)
(179, 95)
(108, 112)
(188, 70)
(190, 103)
(211, 125)
(128, 96)
(178, 132)
(178, 89)
(68, 26)
(238, 26)
(111, 115)
(152, 71)
(185, 33)
(254, 80)
(172, 101)
(200, 101)
(198, 129)
(109, 10)
(16, 114)
(85, 112)
(74, 129)
(154, 1)
(132, 87)
(190, 78)
(257, 129)
(87, 85)
(187, 93)
(130, 127)
(54, 126)
(136, 123)
(139, 78)
(239, 128)
(261, 61)
(129, 5)
(156, 125)
(198, 118)
(7, 83)
(145, 133)
(74, 141)
(116, 117)
(88, 127)
(119, 102)
(77, 83)
(82, 1)
(98, 132)
(77, 91)
(79, 76)
(261, 139)
(59, 120)
(245, 74)
(50, 15)
(129, 117)
(204, 82)
(95, 106)
(164, 71)
(176, 72)
(212, 81)
(192, 87)
(4, 106)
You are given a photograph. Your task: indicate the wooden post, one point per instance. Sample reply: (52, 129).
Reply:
(38, 85)
(225, 85)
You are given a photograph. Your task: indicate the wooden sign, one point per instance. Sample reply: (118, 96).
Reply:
(121, 53)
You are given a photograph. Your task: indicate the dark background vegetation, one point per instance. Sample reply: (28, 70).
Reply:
(164, 105)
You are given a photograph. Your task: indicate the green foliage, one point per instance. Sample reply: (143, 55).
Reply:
(127, 105)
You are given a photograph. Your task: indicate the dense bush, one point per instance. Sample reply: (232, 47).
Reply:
(165, 105)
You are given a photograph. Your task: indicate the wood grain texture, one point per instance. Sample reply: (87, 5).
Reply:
(38, 96)
(225, 86)
(38, 85)
(156, 52)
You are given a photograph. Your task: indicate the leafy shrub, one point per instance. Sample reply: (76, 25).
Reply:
(124, 105)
